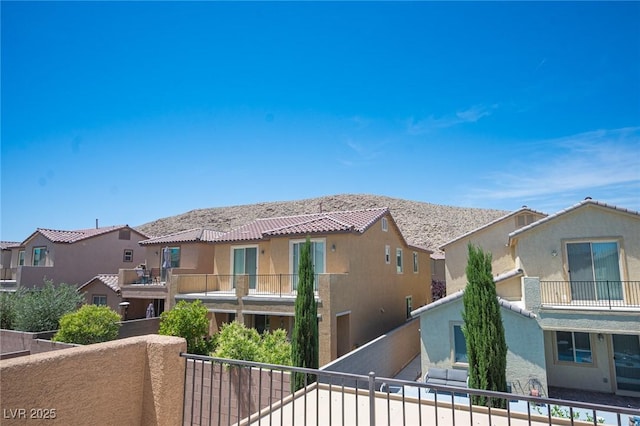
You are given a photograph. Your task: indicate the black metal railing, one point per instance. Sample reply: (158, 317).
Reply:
(610, 294)
(224, 392)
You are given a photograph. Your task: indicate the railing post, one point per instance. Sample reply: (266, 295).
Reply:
(372, 398)
(609, 293)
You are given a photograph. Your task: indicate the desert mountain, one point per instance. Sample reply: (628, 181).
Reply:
(422, 224)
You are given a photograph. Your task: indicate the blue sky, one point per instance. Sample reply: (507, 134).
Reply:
(129, 112)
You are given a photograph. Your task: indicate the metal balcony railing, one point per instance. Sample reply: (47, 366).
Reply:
(608, 294)
(224, 392)
(267, 284)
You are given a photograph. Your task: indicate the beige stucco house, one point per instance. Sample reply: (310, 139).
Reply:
(74, 257)
(165, 257)
(102, 290)
(577, 273)
(368, 278)
(7, 270)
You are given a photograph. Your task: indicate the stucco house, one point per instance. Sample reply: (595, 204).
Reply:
(7, 270)
(74, 257)
(181, 253)
(368, 279)
(102, 290)
(576, 276)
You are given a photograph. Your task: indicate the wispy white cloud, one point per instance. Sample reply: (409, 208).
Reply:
(469, 115)
(361, 153)
(559, 172)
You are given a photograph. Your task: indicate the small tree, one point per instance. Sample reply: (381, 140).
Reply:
(236, 341)
(188, 320)
(89, 324)
(304, 343)
(41, 309)
(7, 310)
(483, 329)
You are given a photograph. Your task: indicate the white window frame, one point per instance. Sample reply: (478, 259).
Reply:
(459, 325)
(40, 258)
(385, 224)
(302, 241)
(99, 298)
(179, 249)
(127, 255)
(415, 262)
(387, 254)
(20, 257)
(399, 261)
(572, 346)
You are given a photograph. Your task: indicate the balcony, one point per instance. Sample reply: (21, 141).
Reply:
(146, 286)
(610, 295)
(279, 285)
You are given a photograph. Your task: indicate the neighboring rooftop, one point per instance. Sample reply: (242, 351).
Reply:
(5, 245)
(62, 236)
(190, 235)
(110, 280)
(422, 224)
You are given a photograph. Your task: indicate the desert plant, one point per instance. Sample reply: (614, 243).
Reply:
(7, 310)
(89, 324)
(41, 309)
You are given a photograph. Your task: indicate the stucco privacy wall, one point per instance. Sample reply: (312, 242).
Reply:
(135, 381)
(386, 355)
(525, 343)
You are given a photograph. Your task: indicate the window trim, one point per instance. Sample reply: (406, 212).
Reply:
(387, 254)
(43, 258)
(408, 303)
(458, 324)
(127, 255)
(399, 261)
(573, 348)
(93, 299)
(385, 224)
(415, 262)
(21, 257)
(171, 249)
(302, 241)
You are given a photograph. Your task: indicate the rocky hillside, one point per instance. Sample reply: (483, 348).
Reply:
(423, 224)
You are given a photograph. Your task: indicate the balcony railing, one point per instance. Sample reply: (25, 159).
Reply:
(225, 392)
(267, 284)
(598, 294)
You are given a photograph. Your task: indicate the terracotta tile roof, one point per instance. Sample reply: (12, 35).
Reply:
(60, 236)
(458, 295)
(315, 223)
(110, 280)
(493, 222)
(586, 202)
(190, 235)
(5, 245)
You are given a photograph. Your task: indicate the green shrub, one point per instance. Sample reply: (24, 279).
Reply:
(89, 324)
(7, 310)
(236, 341)
(41, 309)
(188, 320)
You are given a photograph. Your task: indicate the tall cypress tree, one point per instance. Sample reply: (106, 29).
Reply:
(483, 329)
(304, 342)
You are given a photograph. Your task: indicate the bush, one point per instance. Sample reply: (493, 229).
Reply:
(188, 320)
(236, 341)
(7, 310)
(89, 324)
(438, 290)
(41, 309)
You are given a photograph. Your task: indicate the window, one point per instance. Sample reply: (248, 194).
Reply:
(262, 323)
(100, 300)
(524, 219)
(459, 345)
(594, 270)
(21, 258)
(573, 347)
(415, 262)
(124, 234)
(387, 255)
(409, 305)
(128, 255)
(245, 262)
(399, 261)
(317, 258)
(385, 224)
(39, 256)
(174, 253)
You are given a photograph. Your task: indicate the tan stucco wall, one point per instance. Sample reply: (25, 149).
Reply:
(359, 282)
(136, 381)
(98, 288)
(492, 239)
(77, 263)
(588, 223)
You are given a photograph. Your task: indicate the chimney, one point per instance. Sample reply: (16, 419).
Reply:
(96, 223)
